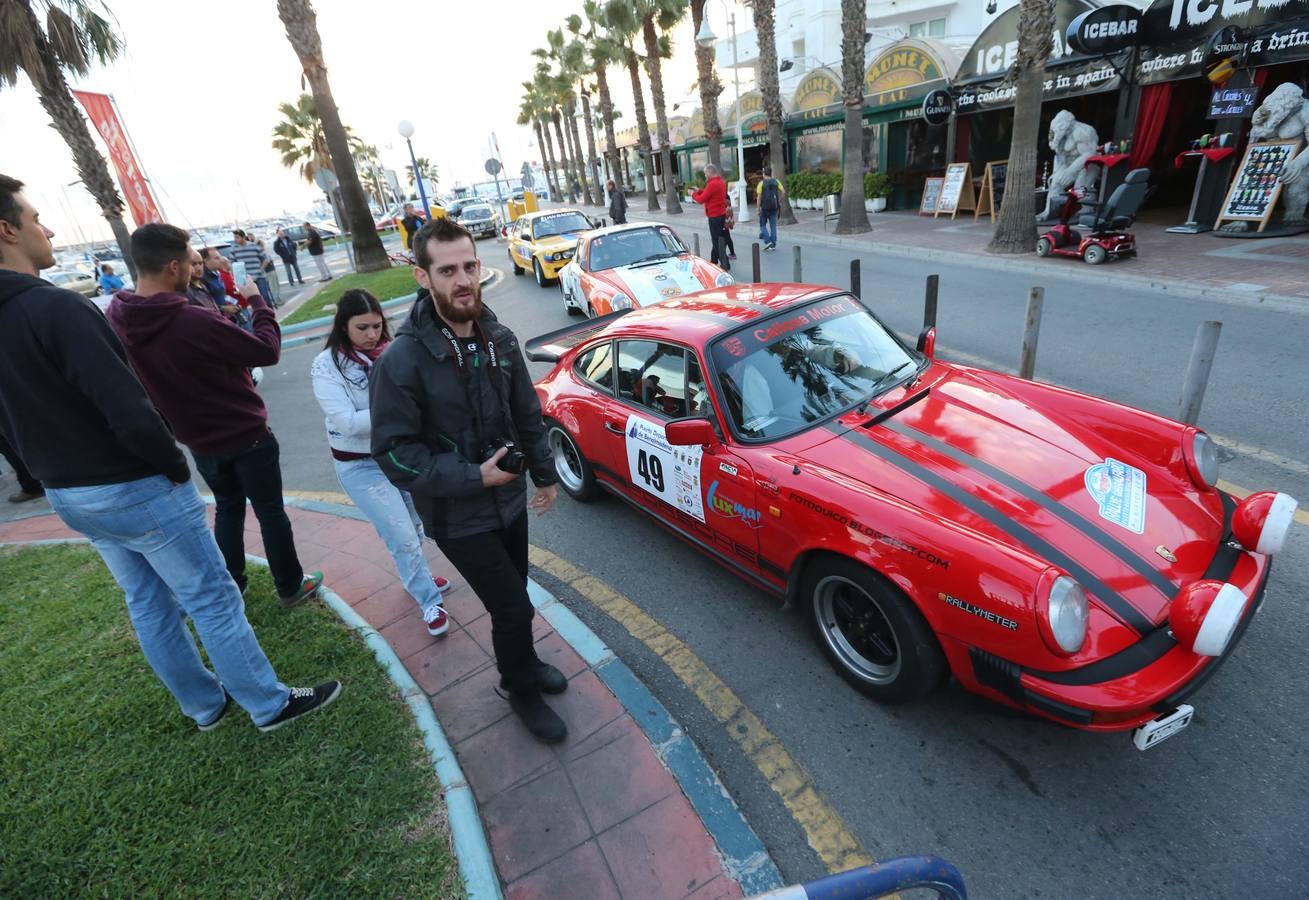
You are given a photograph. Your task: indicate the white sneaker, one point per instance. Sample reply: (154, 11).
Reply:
(437, 621)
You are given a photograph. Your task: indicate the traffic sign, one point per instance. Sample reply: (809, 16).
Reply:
(492, 166)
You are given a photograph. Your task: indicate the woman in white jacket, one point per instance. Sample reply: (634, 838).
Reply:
(340, 375)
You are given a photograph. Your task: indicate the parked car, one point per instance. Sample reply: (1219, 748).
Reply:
(84, 284)
(480, 219)
(630, 266)
(1054, 552)
(545, 242)
(297, 232)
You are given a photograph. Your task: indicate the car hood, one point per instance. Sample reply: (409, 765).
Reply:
(974, 454)
(651, 282)
(557, 242)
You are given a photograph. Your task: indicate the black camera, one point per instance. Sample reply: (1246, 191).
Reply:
(513, 461)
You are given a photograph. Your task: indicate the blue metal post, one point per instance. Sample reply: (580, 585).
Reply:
(418, 178)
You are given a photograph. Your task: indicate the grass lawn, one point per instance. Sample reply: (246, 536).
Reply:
(384, 285)
(111, 791)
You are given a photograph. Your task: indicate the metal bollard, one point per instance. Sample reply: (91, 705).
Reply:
(1031, 331)
(796, 270)
(929, 302)
(854, 279)
(754, 262)
(695, 243)
(1197, 371)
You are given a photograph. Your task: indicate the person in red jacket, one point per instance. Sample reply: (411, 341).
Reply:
(713, 197)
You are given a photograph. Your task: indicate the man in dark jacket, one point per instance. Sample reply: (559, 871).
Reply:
(713, 197)
(617, 204)
(314, 244)
(70, 404)
(456, 421)
(285, 248)
(194, 365)
(409, 225)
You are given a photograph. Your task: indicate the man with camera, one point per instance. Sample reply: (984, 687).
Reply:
(456, 423)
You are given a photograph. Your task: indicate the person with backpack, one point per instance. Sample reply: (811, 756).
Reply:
(769, 195)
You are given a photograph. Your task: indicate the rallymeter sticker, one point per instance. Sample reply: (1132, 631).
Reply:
(1119, 491)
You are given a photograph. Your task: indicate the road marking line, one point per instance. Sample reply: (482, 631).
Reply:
(824, 829)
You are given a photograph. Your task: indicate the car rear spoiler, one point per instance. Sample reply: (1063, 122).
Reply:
(549, 347)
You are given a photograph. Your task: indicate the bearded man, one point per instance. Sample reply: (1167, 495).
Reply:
(456, 423)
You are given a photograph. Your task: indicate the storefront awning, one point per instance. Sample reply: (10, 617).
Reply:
(905, 72)
(1175, 34)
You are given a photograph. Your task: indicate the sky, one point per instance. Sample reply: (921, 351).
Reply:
(199, 94)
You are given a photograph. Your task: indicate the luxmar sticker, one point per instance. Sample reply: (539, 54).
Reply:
(729, 508)
(1119, 491)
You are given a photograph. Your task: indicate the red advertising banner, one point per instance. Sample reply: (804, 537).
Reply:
(100, 108)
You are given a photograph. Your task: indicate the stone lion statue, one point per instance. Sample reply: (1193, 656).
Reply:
(1073, 143)
(1284, 116)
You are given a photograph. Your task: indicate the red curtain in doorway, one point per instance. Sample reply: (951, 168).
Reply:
(1150, 121)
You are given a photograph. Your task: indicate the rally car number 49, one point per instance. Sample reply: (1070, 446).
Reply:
(1052, 551)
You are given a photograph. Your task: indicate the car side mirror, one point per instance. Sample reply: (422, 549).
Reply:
(927, 342)
(695, 431)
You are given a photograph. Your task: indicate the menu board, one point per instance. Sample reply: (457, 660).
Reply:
(992, 192)
(1254, 192)
(1227, 103)
(957, 191)
(931, 196)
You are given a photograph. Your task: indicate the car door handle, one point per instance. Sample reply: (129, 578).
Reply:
(615, 429)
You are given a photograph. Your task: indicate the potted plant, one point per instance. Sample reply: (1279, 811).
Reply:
(877, 187)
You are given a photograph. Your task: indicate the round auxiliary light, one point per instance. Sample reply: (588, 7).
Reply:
(1262, 520)
(1205, 615)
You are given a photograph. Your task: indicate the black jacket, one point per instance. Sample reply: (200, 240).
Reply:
(424, 431)
(69, 402)
(618, 207)
(285, 248)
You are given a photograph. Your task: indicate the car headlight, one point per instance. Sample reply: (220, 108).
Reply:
(1064, 616)
(1261, 521)
(621, 301)
(724, 280)
(1205, 614)
(1202, 460)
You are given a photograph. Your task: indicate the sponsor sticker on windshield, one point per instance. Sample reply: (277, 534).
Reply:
(1119, 491)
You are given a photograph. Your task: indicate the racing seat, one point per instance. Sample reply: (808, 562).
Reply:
(1119, 211)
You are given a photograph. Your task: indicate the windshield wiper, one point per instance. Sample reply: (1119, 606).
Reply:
(879, 382)
(652, 258)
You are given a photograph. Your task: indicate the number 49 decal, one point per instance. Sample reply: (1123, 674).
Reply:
(651, 469)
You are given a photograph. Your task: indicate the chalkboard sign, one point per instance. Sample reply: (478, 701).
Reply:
(931, 196)
(1255, 190)
(957, 191)
(1231, 103)
(992, 193)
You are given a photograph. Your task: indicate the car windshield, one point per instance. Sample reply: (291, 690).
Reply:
(781, 375)
(622, 248)
(474, 213)
(559, 223)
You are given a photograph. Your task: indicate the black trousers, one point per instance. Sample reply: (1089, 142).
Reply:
(718, 238)
(254, 474)
(494, 564)
(26, 480)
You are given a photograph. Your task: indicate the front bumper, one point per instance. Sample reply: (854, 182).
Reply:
(1136, 685)
(551, 269)
(481, 227)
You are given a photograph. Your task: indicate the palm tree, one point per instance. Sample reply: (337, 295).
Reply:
(1015, 229)
(578, 53)
(428, 168)
(299, 138)
(302, 31)
(532, 109)
(603, 52)
(568, 60)
(548, 87)
(766, 34)
(710, 88)
(854, 219)
(73, 35)
(623, 27)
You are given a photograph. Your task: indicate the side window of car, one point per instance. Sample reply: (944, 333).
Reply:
(653, 375)
(597, 367)
(697, 393)
(581, 253)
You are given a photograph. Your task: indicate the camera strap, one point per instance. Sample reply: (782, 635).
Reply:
(493, 363)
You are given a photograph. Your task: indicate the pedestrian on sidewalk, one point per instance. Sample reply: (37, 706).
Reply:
(314, 244)
(28, 487)
(195, 368)
(109, 282)
(285, 248)
(244, 250)
(340, 376)
(409, 225)
(617, 204)
(70, 403)
(713, 197)
(769, 197)
(269, 269)
(456, 423)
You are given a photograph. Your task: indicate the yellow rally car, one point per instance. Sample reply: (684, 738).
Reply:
(545, 241)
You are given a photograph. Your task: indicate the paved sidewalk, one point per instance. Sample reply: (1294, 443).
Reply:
(596, 817)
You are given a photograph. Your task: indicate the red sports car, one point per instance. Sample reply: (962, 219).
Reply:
(1053, 551)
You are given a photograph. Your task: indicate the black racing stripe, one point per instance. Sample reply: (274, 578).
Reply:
(1116, 603)
(1145, 652)
(1077, 520)
(1228, 550)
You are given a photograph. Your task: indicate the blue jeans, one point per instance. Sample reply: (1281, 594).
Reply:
(768, 227)
(392, 513)
(155, 540)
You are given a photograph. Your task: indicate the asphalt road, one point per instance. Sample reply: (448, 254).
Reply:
(1023, 807)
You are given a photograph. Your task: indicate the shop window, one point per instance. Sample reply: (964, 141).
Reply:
(872, 147)
(819, 152)
(930, 28)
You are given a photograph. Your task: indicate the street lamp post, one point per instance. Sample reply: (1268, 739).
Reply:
(707, 38)
(406, 129)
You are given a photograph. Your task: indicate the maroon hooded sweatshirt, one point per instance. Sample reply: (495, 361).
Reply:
(194, 365)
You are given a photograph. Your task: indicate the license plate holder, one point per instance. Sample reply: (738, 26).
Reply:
(1151, 734)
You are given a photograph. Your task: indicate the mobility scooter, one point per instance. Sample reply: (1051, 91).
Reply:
(1107, 223)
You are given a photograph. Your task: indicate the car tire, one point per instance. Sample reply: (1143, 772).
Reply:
(1044, 247)
(573, 471)
(1094, 254)
(541, 280)
(518, 270)
(871, 632)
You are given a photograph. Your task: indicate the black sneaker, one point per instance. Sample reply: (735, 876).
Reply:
(304, 701)
(549, 680)
(542, 721)
(222, 713)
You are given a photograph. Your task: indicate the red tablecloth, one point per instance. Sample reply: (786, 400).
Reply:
(1108, 160)
(1213, 154)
